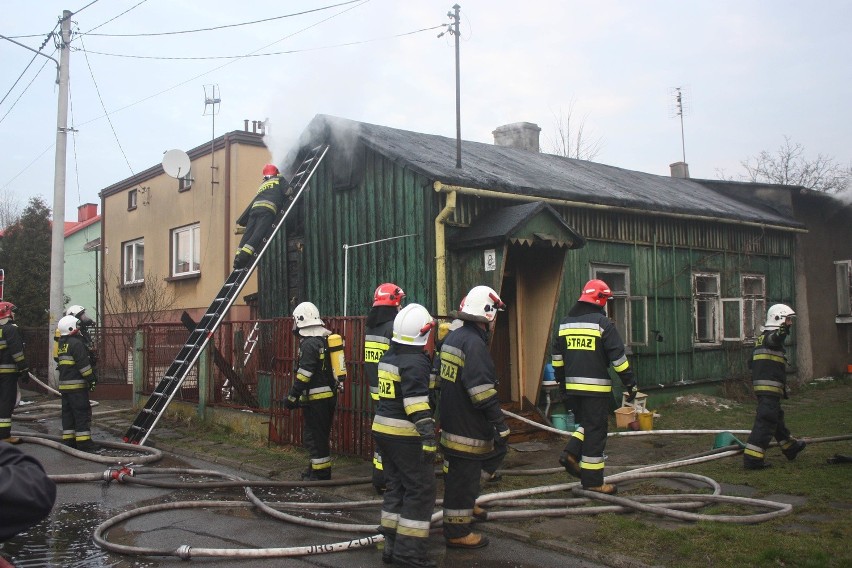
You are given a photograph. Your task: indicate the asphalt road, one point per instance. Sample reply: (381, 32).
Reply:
(65, 538)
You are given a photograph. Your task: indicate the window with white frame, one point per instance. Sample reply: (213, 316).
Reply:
(133, 261)
(185, 182)
(843, 271)
(132, 199)
(185, 250)
(754, 305)
(707, 305)
(629, 313)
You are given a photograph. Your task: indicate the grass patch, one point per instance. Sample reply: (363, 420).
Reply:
(818, 531)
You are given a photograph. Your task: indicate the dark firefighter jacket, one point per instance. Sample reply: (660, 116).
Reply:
(27, 494)
(403, 393)
(470, 409)
(768, 363)
(377, 340)
(11, 350)
(270, 197)
(314, 379)
(75, 369)
(586, 344)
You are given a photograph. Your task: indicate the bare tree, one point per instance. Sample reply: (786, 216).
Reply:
(789, 166)
(10, 208)
(570, 139)
(125, 309)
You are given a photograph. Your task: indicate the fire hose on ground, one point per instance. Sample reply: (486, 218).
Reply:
(677, 506)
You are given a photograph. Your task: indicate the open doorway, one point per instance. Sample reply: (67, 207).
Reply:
(530, 286)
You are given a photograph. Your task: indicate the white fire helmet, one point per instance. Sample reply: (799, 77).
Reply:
(412, 325)
(306, 315)
(481, 304)
(68, 325)
(776, 315)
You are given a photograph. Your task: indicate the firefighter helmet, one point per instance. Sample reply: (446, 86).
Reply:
(68, 325)
(269, 170)
(776, 315)
(412, 325)
(595, 292)
(306, 315)
(481, 304)
(78, 312)
(388, 294)
(6, 309)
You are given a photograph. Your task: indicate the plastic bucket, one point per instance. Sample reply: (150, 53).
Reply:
(563, 422)
(646, 420)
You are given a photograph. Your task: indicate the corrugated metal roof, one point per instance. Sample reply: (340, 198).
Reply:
(520, 172)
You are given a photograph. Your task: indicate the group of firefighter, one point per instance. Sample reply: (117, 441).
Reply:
(408, 386)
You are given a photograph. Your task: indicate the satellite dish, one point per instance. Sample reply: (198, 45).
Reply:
(176, 163)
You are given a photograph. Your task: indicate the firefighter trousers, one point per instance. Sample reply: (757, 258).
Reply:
(8, 394)
(588, 442)
(318, 416)
(258, 228)
(76, 415)
(462, 480)
(768, 423)
(409, 499)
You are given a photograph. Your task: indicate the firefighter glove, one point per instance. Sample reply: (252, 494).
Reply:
(501, 435)
(25, 375)
(426, 428)
(632, 389)
(291, 402)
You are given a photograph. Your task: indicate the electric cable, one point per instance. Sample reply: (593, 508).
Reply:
(264, 20)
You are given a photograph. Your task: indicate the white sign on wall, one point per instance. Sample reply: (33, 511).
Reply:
(490, 260)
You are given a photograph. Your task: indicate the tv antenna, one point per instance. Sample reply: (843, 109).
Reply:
(680, 109)
(211, 100)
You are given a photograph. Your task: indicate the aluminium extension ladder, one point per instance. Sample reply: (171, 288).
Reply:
(188, 355)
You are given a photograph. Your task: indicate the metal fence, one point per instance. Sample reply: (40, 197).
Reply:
(113, 345)
(254, 371)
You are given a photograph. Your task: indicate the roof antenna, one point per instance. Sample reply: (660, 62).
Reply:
(212, 100)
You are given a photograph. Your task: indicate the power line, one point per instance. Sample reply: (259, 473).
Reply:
(226, 25)
(18, 79)
(103, 106)
(84, 7)
(22, 94)
(288, 52)
(112, 19)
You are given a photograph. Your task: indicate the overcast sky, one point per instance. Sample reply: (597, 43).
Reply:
(752, 72)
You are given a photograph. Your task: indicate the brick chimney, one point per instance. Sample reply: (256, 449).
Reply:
(521, 135)
(87, 211)
(680, 170)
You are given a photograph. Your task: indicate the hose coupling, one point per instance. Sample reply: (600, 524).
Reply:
(184, 552)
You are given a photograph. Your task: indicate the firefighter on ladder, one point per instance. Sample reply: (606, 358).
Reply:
(314, 389)
(404, 431)
(261, 214)
(473, 430)
(378, 332)
(583, 350)
(769, 380)
(13, 365)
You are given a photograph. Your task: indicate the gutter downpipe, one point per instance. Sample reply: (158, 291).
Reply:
(491, 194)
(227, 216)
(441, 249)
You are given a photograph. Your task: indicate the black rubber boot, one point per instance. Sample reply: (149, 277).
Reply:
(793, 449)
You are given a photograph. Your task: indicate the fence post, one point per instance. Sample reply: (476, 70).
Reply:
(204, 382)
(138, 366)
